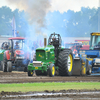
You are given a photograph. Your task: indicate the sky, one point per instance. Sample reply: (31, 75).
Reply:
(61, 5)
(64, 5)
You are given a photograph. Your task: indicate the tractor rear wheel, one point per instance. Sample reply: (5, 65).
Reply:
(30, 73)
(9, 66)
(51, 70)
(65, 62)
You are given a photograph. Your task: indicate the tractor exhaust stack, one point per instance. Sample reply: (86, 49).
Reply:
(45, 42)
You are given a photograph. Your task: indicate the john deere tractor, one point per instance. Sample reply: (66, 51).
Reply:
(52, 59)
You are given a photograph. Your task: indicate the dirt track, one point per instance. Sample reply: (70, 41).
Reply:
(22, 77)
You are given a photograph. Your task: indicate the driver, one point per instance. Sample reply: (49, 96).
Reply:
(53, 40)
(5, 46)
(16, 45)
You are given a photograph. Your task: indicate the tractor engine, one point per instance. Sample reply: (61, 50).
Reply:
(19, 54)
(20, 58)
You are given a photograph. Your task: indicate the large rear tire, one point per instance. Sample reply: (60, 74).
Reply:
(65, 62)
(9, 66)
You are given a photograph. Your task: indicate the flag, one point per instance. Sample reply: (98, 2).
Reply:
(13, 27)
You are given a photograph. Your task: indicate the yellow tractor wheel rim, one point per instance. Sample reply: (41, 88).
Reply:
(70, 62)
(53, 70)
(31, 73)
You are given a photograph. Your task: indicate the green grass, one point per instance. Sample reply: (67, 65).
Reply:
(25, 87)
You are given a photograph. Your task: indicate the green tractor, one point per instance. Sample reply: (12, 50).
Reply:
(52, 59)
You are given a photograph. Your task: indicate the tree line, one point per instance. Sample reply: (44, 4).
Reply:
(68, 24)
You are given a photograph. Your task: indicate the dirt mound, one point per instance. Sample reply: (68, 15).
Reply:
(73, 94)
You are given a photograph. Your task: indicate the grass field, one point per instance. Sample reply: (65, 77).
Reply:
(26, 87)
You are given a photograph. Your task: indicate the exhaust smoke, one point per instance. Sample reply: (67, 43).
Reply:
(36, 11)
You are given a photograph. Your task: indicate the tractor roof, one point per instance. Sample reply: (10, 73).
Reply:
(96, 33)
(16, 38)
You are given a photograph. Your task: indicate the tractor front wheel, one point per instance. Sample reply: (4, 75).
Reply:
(89, 71)
(4, 63)
(30, 73)
(4, 67)
(25, 69)
(9, 66)
(89, 68)
(51, 70)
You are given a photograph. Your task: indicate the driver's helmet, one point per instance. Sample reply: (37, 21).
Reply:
(54, 38)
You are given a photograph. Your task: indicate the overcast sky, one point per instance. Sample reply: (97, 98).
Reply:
(62, 5)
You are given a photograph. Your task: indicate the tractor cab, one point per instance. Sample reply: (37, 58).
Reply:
(55, 40)
(15, 55)
(16, 46)
(95, 41)
(16, 42)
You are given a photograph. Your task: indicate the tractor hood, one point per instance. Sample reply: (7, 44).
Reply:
(19, 52)
(47, 48)
(1, 54)
(45, 53)
(2, 51)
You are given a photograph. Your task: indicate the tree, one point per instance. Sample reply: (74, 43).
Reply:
(6, 15)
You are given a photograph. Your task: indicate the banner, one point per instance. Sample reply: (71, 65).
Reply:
(13, 27)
